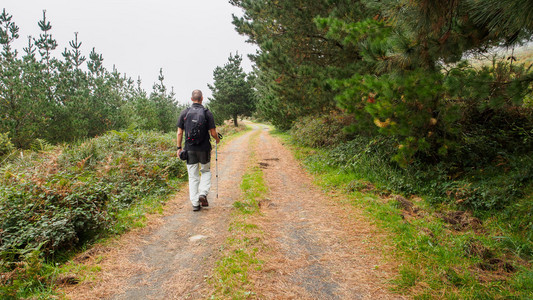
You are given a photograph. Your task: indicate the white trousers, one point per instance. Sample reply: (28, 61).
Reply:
(199, 185)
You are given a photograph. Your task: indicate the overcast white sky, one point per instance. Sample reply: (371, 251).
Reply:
(188, 39)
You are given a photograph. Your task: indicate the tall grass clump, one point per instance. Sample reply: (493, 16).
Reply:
(54, 201)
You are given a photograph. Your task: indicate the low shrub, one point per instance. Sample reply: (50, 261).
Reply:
(493, 187)
(320, 131)
(490, 189)
(21, 277)
(5, 144)
(62, 198)
(228, 129)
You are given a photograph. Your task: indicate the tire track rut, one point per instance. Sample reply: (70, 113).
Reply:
(316, 246)
(172, 256)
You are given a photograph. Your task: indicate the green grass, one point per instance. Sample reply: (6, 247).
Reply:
(231, 280)
(135, 216)
(437, 261)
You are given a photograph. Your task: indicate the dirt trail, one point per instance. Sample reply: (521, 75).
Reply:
(318, 249)
(170, 258)
(315, 248)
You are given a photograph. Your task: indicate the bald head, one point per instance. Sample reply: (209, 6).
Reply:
(197, 96)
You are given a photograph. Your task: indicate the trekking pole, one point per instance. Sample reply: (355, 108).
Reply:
(216, 159)
(216, 163)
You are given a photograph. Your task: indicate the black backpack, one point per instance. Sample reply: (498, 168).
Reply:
(195, 125)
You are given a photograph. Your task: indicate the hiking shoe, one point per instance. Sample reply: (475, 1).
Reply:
(196, 208)
(203, 200)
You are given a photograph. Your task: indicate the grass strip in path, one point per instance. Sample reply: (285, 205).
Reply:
(230, 279)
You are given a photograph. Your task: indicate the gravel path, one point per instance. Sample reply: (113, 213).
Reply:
(172, 256)
(315, 247)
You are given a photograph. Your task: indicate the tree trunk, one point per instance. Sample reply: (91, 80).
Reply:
(235, 121)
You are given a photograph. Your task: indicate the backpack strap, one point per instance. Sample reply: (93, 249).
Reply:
(205, 115)
(187, 113)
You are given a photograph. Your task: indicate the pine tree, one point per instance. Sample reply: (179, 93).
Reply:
(8, 33)
(95, 64)
(35, 94)
(15, 109)
(74, 56)
(295, 57)
(398, 66)
(45, 42)
(165, 105)
(233, 95)
(410, 89)
(23, 105)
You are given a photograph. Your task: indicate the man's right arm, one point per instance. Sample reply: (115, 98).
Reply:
(179, 140)
(212, 127)
(214, 134)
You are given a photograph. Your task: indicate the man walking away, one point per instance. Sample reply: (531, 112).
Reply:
(198, 124)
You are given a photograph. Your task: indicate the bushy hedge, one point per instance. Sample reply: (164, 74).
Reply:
(228, 129)
(322, 131)
(492, 186)
(62, 198)
(490, 167)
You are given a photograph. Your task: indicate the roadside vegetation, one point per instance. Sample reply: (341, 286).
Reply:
(230, 279)
(448, 246)
(57, 200)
